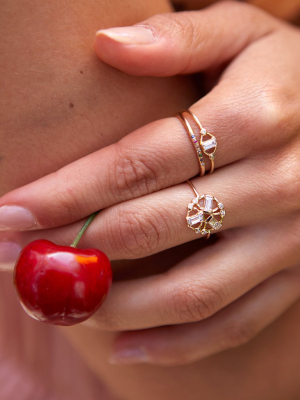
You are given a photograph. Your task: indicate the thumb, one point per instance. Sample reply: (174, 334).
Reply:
(183, 42)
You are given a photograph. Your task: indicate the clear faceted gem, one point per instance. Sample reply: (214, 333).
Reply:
(209, 144)
(195, 219)
(190, 206)
(222, 212)
(203, 131)
(204, 232)
(221, 206)
(208, 204)
(195, 200)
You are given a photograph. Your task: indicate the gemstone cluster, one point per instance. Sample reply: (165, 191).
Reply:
(205, 214)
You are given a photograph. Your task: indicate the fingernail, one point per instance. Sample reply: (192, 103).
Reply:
(9, 252)
(129, 35)
(129, 356)
(14, 218)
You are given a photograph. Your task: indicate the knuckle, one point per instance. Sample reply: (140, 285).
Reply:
(273, 114)
(285, 185)
(262, 113)
(238, 333)
(135, 174)
(139, 232)
(193, 301)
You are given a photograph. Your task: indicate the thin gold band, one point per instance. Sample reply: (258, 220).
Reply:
(194, 140)
(205, 144)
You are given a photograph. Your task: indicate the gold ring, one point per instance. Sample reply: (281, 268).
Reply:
(205, 213)
(194, 140)
(208, 145)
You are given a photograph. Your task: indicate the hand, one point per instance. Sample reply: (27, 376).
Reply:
(253, 112)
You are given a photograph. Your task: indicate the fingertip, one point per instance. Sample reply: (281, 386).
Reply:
(126, 58)
(128, 35)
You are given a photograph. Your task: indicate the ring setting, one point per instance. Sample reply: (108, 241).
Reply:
(205, 213)
(208, 144)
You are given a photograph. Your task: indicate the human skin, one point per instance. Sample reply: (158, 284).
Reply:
(189, 384)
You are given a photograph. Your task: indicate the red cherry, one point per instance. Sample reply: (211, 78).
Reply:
(61, 285)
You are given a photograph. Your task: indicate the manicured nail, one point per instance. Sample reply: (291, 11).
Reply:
(9, 252)
(129, 356)
(129, 35)
(15, 218)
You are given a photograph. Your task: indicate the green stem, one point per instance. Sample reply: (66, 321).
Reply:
(83, 229)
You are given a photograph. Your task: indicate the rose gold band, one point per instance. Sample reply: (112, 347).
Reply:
(194, 140)
(207, 146)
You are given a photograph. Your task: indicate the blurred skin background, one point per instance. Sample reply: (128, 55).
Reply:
(37, 361)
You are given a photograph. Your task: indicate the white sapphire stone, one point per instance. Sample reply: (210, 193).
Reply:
(209, 144)
(203, 131)
(195, 219)
(221, 206)
(195, 200)
(208, 204)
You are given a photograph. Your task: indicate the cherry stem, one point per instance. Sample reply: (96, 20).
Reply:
(83, 229)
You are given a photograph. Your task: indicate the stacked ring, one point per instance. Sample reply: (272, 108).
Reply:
(208, 146)
(194, 140)
(205, 213)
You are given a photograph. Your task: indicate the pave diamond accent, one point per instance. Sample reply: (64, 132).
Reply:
(209, 144)
(208, 204)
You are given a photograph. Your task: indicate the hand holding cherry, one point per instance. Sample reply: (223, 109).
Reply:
(62, 285)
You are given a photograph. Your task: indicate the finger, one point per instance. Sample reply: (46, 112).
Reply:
(156, 156)
(184, 42)
(202, 284)
(160, 154)
(153, 223)
(235, 325)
